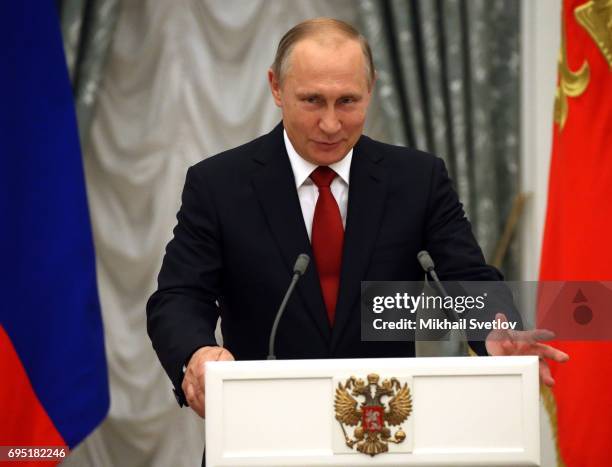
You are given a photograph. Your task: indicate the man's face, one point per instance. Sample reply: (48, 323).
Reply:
(324, 97)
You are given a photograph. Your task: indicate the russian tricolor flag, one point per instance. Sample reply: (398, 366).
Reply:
(53, 376)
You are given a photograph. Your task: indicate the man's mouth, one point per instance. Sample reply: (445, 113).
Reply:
(326, 144)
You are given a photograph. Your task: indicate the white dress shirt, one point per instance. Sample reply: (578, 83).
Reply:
(308, 193)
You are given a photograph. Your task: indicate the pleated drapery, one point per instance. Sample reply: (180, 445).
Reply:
(88, 27)
(450, 69)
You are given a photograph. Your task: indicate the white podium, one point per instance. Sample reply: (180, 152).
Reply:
(463, 411)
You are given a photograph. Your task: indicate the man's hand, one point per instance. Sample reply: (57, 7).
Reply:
(502, 342)
(193, 381)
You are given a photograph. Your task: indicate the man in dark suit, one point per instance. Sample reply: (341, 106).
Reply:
(360, 208)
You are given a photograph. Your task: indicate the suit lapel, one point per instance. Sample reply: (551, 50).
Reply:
(367, 193)
(274, 187)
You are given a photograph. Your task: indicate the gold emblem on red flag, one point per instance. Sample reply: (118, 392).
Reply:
(596, 17)
(571, 83)
(373, 416)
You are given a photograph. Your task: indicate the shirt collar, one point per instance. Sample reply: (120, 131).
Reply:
(302, 168)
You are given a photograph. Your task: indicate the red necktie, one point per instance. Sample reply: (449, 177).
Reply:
(327, 238)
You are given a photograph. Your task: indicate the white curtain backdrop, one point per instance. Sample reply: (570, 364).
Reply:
(185, 79)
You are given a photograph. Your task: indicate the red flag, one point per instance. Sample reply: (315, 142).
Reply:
(577, 239)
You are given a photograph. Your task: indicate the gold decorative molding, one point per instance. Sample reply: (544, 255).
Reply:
(596, 17)
(571, 83)
(550, 404)
(503, 244)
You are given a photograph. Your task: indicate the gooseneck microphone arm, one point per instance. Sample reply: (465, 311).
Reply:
(428, 266)
(301, 263)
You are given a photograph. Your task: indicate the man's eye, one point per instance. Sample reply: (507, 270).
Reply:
(347, 100)
(312, 99)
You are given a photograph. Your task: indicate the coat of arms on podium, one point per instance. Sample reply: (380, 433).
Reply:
(373, 417)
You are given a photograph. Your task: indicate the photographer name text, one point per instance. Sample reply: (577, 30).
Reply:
(436, 324)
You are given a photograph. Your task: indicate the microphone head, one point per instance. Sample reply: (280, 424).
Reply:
(425, 260)
(301, 263)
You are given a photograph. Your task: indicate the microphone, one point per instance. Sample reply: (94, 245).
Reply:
(301, 263)
(428, 266)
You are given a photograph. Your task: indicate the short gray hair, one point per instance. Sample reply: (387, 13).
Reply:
(313, 27)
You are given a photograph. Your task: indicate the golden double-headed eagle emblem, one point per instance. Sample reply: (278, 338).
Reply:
(372, 417)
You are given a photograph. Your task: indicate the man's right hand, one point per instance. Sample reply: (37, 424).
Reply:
(193, 381)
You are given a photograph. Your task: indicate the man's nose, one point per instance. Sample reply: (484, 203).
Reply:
(329, 122)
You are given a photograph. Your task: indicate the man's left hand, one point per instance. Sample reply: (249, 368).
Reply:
(504, 342)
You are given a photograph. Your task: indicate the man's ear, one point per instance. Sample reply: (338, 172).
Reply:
(274, 87)
(373, 83)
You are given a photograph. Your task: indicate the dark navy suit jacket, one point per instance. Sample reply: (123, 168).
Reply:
(240, 229)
